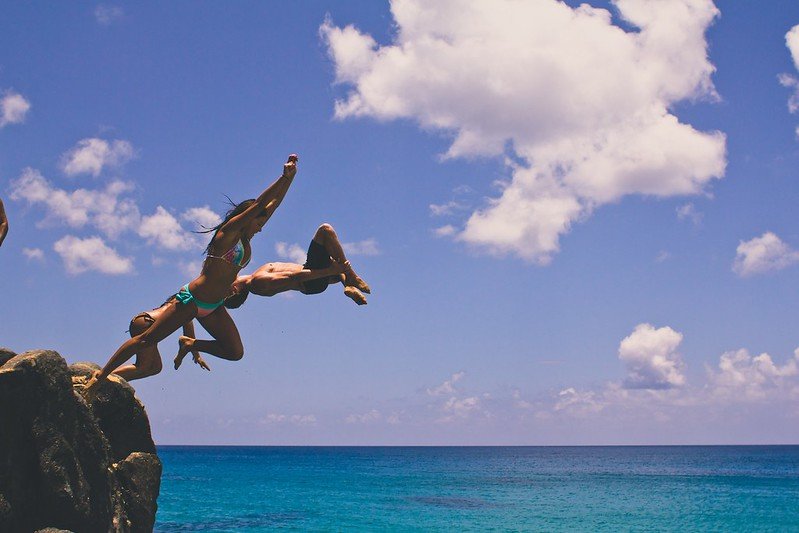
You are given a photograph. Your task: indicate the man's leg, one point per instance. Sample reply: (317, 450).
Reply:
(326, 236)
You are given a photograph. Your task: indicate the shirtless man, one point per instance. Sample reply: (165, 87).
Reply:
(325, 265)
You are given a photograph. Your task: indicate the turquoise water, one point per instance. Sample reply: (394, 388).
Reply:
(680, 488)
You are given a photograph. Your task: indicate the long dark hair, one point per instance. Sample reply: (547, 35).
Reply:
(236, 209)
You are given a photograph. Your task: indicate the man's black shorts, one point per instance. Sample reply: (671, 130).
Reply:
(317, 258)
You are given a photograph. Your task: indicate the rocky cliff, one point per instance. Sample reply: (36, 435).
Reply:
(68, 464)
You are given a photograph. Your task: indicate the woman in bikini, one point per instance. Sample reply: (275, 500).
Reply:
(228, 252)
(148, 360)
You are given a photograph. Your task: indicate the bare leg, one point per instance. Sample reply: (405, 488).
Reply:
(173, 316)
(227, 343)
(148, 360)
(148, 363)
(326, 236)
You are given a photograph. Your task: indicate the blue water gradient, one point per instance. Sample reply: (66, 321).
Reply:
(670, 488)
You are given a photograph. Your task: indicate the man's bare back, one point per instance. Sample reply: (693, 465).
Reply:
(274, 278)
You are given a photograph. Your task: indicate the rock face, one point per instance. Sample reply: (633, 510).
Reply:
(66, 464)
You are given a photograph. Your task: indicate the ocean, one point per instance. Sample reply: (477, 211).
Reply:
(614, 488)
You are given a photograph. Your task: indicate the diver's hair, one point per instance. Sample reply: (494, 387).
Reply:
(235, 209)
(234, 301)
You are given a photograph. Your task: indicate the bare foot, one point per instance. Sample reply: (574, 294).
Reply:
(198, 360)
(355, 295)
(184, 347)
(353, 280)
(91, 386)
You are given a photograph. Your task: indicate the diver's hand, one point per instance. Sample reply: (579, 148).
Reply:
(290, 168)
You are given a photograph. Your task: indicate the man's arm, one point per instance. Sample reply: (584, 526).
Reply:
(3, 223)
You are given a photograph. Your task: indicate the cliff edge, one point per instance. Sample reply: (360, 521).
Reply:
(66, 464)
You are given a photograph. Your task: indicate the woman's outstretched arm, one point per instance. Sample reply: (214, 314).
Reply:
(269, 200)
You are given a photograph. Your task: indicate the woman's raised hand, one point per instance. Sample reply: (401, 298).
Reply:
(290, 168)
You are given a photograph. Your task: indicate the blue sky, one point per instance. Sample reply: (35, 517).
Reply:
(578, 223)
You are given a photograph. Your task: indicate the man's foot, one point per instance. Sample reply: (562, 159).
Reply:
(355, 295)
(353, 280)
(184, 346)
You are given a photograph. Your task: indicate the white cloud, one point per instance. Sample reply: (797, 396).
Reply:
(741, 377)
(651, 358)
(596, 124)
(202, 217)
(101, 208)
(13, 108)
(741, 389)
(792, 42)
(191, 269)
(164, 230)
(366, 247)
(293, 252)
(448, 387)
(578, 403)
(462, 407)
(106, 14)
(372, 416)
(763, 254)
(123, 216)
(519, 402)
(662, 255)
(33, 254)
(90, 156)
(455, 407)
(787, 80)
(449, 208)
(83, 255)
(445, 231)
(297, 420)
(397, 417)
(689, 212)
(112, 214)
